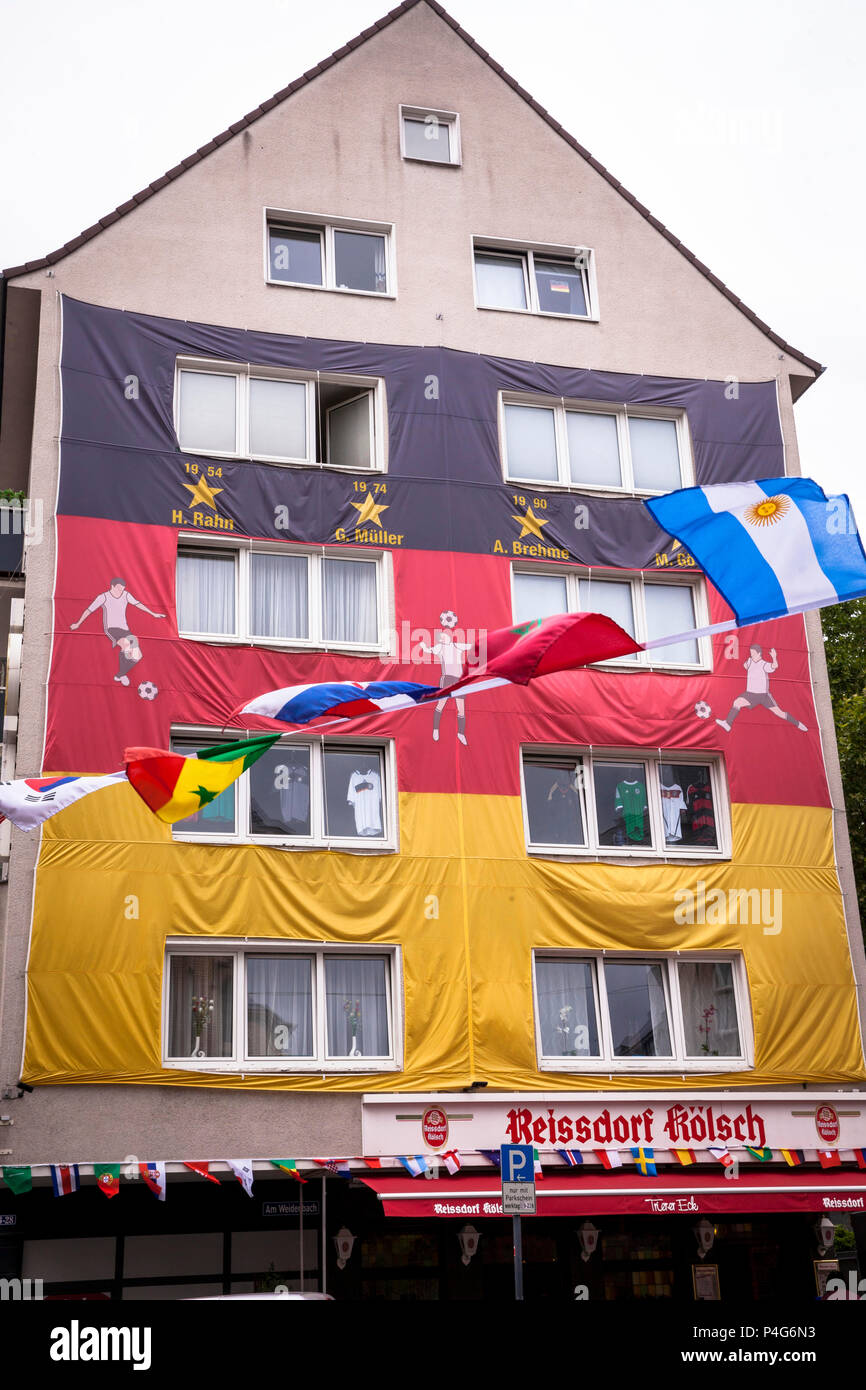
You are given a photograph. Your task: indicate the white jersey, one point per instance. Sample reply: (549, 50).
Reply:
(450, 657)
(673, 804)
(365, 794)
(758, 676)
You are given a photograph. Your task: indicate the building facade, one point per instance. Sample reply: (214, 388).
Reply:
(389, 365)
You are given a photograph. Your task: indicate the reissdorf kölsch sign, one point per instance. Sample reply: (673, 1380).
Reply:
(795, 1119)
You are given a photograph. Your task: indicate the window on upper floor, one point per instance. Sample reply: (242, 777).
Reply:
(275, 1005)
(641, 1012)
(234, 411)
(329, 253)
(283, 596)
(534, 279)
(608, 804)
(646, 607)
(612, 449)
(430, 136)
(301, 794)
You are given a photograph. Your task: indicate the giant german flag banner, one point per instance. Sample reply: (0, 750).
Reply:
(670, 802)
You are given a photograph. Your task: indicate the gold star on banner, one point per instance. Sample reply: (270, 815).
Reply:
(368, 510)
(530, 525)
(202, 494)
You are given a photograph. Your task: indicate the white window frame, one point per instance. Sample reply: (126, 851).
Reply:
(447, 118)
(244, 372)
(651, 759)
(639, 580)
(243, 635)
(679, 1062)
(388, 843)
(564, 405)
(525, 252)
(326, 224)
(239, 947)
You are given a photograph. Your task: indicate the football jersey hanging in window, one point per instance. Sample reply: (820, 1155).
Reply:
(631, 804)
(703, 816)
(673, 805)
(365, 795)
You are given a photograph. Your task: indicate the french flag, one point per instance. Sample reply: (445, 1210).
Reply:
(64, 1177)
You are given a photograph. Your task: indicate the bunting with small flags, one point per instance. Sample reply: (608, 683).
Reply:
(451, 1159)
(107, 1178)
(203, 1170)
(492, 1156)
(18, 1179)
(723, 1154)
(154, 1175)
(64, 1178)
(573, 1157)
(609, 1158)
(760, 1155)
(860, 1155)
(338, 1166)
(686, 1156)
(793, 1157)
(243, 1171)
(289, 1166)
(645, 1160)
(416, 1165)
(829, 1158)
(536, 1165)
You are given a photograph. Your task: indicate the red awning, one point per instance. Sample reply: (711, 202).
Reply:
(603, 1194)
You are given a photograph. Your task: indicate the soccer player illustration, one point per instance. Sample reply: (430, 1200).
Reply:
(450, 656)
(757, 691)
(114, 603)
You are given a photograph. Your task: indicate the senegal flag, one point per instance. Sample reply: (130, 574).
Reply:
(175, 787)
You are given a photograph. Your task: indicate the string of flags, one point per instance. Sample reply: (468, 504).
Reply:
(66, 1177)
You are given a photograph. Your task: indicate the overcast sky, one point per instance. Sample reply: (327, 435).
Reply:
(741, 126)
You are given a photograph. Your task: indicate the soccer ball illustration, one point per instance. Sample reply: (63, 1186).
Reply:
(702, 710)
(448, 619)
(147, 690)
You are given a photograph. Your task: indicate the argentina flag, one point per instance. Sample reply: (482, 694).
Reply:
(771, 547)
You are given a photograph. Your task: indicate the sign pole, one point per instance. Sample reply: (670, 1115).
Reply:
(518, 1259)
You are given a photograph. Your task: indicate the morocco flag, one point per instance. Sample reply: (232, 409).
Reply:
(564, 642)
(175, 787)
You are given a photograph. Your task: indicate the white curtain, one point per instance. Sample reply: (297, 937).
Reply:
(709, 1009)
(279, 595)
(356, 1006)
(193, 978)
(279, 1006)
(349, 601)
(205, 593)
(670, 608)
(566, 1008)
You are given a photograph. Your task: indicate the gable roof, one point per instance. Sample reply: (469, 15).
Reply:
(132, 203)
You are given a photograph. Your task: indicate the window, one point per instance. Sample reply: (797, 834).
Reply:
(301, 795)
(274, 1006)
(559, 281)
(560, 443)
(604, 804)
(282, 596)
(646, 607)
(431, 136)
(236, 411)
(329, 253)
(651, 1013)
